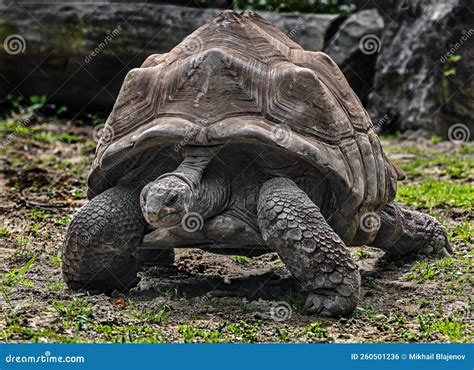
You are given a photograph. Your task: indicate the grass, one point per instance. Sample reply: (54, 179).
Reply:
(11, 279)
(56, 286)
(76, 313)
(128, 333)
(245, 332)
(447, 269)
(316, 330)
(282, 335)
(451, 329)
(462, 232)
(14, 127)
(62, 221)
(15, 331)
(190, 334)
(38, 213)
(56, 260)
(432, 194)
(421, 271)
(149, 316)
(4, 232)
(451, 166)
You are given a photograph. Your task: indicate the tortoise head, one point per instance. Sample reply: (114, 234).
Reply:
(165, 201)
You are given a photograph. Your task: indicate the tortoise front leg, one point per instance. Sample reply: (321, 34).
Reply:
(404, 232)
(315, 255)
(100, 248)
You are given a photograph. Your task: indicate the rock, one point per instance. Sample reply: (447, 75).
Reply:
(419, 84)
(78, 53)
(308, 30)
(354, 48)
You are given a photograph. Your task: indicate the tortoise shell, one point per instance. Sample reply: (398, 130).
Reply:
(240, 79)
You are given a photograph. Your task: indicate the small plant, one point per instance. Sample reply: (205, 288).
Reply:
(450, 66)
(149, 316)
(4, 232)
(421, 271)
(56, 286)
(33, 229)
(463, 232)
(362, 253)
(56, 260)
(191, 334)
(15, 101)
(452, 329)
(77, 193)
(75, 313)
(61, 110)
(244, 331)
(367, 312)
(129, 333)
(62, 221)
(62, 165)
(15, 277)
(36, 103)
(188, 332)
(242, 260)
(316, 330)
(282, 335)
(400, 320)
(38, 213)
(52, 137)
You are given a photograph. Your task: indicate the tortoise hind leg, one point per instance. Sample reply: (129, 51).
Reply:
(100, 248)
(403, 232)
(315, 255)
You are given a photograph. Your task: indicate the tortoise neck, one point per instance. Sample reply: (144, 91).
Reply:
(191, 169)
(209, 195)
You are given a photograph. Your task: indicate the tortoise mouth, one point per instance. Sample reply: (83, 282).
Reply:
(165, 218)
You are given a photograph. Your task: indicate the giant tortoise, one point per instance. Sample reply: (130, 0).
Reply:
(238, 141)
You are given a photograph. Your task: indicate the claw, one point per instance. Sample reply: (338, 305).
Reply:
(328, 306)
(448, 246)
(447, 249)
(443, 252)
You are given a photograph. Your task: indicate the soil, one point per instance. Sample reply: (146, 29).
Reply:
(204, 297)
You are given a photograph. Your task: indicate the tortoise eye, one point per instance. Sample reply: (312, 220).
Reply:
(172, 199)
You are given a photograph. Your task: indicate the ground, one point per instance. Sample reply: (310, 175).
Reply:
(211, 298)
